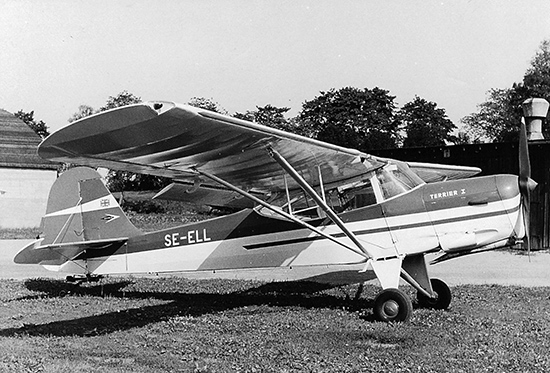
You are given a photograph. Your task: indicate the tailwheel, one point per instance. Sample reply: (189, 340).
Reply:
(442, 298)
(392, 305)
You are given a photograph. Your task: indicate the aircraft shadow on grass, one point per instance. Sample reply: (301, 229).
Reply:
(294, 294)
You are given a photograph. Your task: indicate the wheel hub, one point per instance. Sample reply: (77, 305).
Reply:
(391, 308)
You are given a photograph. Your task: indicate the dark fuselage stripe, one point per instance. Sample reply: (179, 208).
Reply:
(379, 230)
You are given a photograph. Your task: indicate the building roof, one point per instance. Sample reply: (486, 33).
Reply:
(18, 144)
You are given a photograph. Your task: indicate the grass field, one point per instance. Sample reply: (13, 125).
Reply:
(172, 324)
(177, 325)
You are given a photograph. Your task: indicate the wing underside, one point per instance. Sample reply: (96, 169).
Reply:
(172, 140)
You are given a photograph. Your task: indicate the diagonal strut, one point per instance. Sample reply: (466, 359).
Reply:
(279, 212)
(318, 199)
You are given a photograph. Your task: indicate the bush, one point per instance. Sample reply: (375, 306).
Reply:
(142, 207)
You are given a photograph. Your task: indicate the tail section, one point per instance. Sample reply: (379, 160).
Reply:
(80, 208)
(81, 216)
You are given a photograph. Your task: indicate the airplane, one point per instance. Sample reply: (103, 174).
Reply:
(307, 210)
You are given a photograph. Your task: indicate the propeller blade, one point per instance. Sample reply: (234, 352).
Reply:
(525, 205)
(524, 164)
(526, 184)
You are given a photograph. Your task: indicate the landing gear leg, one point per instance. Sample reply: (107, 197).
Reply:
(392, 305)
(432, 293)
(442, 298)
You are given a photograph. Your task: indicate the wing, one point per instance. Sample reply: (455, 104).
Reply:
(173, 140)
(432, 172)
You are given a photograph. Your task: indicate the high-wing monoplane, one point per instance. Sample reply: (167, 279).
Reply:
(309, 210)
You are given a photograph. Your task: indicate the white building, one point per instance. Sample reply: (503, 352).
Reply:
(25, 178)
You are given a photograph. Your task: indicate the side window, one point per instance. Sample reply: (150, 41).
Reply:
(352, 196)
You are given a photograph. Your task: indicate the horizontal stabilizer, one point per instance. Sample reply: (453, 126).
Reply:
(57, 254)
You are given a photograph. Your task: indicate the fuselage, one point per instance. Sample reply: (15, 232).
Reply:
(452, 216)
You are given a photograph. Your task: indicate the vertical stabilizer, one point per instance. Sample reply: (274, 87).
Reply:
(80, 208)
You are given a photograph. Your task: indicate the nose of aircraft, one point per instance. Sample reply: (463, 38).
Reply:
(507, 185)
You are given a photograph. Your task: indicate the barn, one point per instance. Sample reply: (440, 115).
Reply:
(25, 178)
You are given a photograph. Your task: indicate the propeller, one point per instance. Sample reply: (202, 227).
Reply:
(526, 184)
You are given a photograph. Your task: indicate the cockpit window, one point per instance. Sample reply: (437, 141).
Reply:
(373, 187)
(396, 178)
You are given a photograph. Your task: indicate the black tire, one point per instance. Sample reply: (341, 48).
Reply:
(442, 299)
(392, 305)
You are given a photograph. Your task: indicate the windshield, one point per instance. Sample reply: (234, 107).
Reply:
(396, 178)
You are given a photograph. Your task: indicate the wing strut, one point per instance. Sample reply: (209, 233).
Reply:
(280, 212)
(318, 199)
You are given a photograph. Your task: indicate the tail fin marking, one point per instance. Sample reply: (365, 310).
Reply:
(80, 208)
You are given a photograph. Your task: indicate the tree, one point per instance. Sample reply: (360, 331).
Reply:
(83, 112)
(537, 78)
(124, 98)
(271, 116)
(498, 118)
(351, 117)
(425, 124)
(207, 104)
(39, 127)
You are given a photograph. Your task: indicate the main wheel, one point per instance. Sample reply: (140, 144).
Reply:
(442, 299)
(392, 305)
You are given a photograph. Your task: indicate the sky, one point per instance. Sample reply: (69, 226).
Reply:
(58, 54)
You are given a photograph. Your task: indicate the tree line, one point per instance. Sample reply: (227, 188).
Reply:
(365, 119)
(498, 118)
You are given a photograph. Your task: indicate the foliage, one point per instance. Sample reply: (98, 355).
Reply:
(83, 112)
(124, 98)
(120, 181)
(498, 118)
(537, 77)
(425, 124)
(271, 116)
(463, 137)
(351, 117)
(142, 207)
(19, 233)
(207, 104)
(39, 127)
